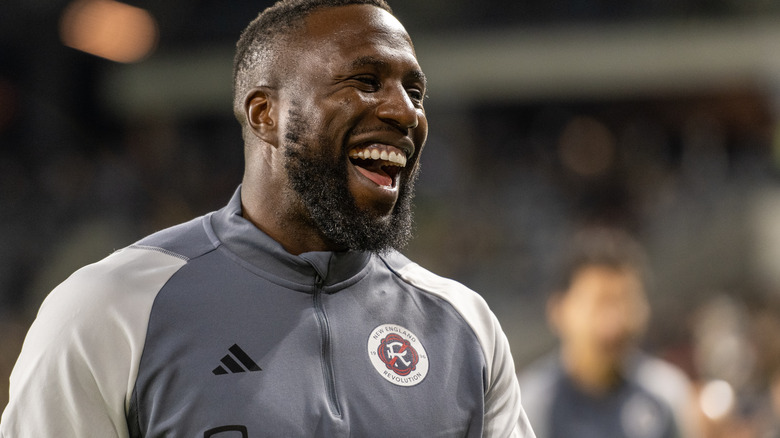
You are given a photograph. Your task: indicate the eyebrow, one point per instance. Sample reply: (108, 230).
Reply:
(368, 60)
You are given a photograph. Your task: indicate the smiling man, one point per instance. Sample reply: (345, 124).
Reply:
(290, 312)
(334, 126)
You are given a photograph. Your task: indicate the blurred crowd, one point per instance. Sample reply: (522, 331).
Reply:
(505, 188)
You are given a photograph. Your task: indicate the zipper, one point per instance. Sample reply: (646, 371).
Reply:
(326, 356)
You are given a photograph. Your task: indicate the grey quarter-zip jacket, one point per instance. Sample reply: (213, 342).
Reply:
(211, 329)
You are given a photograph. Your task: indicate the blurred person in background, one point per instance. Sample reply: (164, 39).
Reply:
(598, 383)
(290, 311)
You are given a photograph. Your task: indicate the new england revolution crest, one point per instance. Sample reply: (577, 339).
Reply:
(397, 355)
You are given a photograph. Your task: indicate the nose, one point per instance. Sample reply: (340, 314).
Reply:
(397, 109)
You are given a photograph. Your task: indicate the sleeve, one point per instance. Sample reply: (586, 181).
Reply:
(504, 413)
(78, 364)
(673, 387)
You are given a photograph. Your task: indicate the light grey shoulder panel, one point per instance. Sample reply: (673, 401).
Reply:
(187, 241)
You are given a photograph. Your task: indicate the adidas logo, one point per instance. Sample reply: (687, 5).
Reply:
(233, 366)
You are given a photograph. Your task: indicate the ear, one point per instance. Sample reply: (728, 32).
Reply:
(260, 109)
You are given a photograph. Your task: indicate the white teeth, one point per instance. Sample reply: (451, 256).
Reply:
(396, 159)
(392, 157)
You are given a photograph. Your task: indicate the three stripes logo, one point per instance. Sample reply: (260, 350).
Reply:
(231, 361)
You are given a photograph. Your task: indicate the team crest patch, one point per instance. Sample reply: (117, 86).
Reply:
(397, 355)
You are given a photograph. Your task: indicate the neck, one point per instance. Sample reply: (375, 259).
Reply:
(294, 240)
(267, 210)
(594, 373)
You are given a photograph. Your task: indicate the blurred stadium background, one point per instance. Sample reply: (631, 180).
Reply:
(657, 116)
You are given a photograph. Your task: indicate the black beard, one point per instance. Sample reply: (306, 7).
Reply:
(320, 179)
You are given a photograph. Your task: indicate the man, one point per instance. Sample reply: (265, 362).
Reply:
(288, 312)
(599, 385)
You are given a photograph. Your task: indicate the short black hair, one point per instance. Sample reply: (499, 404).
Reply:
(255, 47)
(600, 246)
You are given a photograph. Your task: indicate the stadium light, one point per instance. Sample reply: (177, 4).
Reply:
(109, 29)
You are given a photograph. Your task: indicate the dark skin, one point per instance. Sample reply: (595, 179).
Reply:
(355, 81)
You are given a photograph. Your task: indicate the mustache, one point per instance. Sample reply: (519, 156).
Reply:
(372, 130)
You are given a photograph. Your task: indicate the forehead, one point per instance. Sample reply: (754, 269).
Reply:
(349, 34)
(596, 281)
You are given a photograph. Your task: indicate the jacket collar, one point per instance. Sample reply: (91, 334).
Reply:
(266, 257)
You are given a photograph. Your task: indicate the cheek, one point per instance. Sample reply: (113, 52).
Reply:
(419, 136)
(576, 320)
(351, 102)
(421, 132)
(341, 116)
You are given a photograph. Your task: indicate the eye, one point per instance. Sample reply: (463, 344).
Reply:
(416, 95)
(367, 82)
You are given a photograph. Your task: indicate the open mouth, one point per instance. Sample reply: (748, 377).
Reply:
(379, 163)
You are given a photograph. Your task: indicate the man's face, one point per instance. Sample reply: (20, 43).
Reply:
(353, 126)
(603, 312)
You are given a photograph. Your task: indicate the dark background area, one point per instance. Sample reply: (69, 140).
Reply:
(656, 116)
